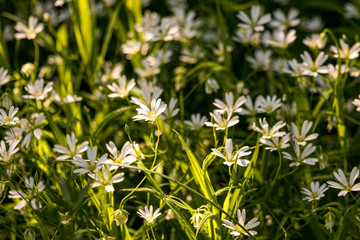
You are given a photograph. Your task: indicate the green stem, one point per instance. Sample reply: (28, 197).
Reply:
(36, 60)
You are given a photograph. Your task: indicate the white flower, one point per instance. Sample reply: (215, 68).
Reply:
(247, 36)
(302, 138)
(296, 68)
(269, 133)
(229, 106)
(30, 195)
(131, 47)
(8, 119)
(314, 25)
(171, 111)
(191, 55)
(150, 67)
(30, 31)
(268, 104)
(238, 231)
(149, 91)
(4, 76)
(148, 214)
(301, 157)
(196, 219)
(311, 67)
(276, 143)
(32, 127)
(152, 114)
(71, 151)
(316, 191)
(5, 155)
(351, 11)
(211, 85)
(220, 122)
(261, 60)
(90, 165)
(344, 185)
(122, 89)
(126, 156)
(255, 21)
(250, 107)
(345, 52)
(111, 72)
(315, 41)
(106, 179)
(356, 102)
(231, 157)
(37, 90)
(283, 21)
(279, 38)
(196, 122)
(281, 66)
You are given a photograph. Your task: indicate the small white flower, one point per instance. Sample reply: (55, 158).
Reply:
(281, 66)
(316, 192)
(220, 122)
(256, 21)
(8, 119)
(276, 143)
(268, 104)
(314, 25)
(30, 31)
(171, 111)
(4, 76)
(122, 89)
(268, 133)
(247, 36)
(351, 11)
(149, 91)
(283, 21)
(148, 214)
(345, 51)
(231, 157)
(126, 156)
(90, 165)
(196, 219)
(150, 67)
(152, 114)
(211, 85)
(229, 106)
(356, 102)
(279, 38)
(32, 128)
(261, 60)
(301, 157)
(344, 185)
(302, 138)
(5, 155)
(37, 90)
(311, 67)
(238, 231)
(196, 122)
(131, 47)
(72, 150)
(106, 179)
(315, 41)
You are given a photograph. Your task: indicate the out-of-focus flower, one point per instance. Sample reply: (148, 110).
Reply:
(149, 91)
(345, 52)
(296, 68)
(356, 102)
(281, 66)
(315, 41)
(229, 106)
(148, 214)
(131, 47)
(279, 38)
(8, 119)
(220, 122)
(268, 104)
(329, 220)
(122, 89)
(238, 231)
(106, 179)
(211, 85)
(30, 31)
(37, 90)
(256, 21)
(315, 24)
(196, 122)
(191, 55)
(283, 21)
(90, 165)
(4, 76)
(32, 127)
(247, 36)
(150, 67)
(351, 11)
(121, 217)
(261, 60)
(301, 157)
(316, 192)
(344, 185)
(171, 111)
(72, 150)
(5, 155)
(111, 72)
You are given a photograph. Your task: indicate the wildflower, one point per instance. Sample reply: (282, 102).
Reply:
(315, 41)
(196, 122)
(250, 107)
(311, 67)
(220, 122)
(14, 134)
(149, 91)
(276, 143)
(302, 138)
(32, 127)
(247, 36)
(148, 214)
(329, 220)
(261, 60)
(351, 11)
(314, 25)
(211, 85)
(8, 119)
(229, 106)
(269, 133)
(316, 191)
(131, 47)
(279, 38)
(268, 104)
(238, 231)
(344, 185)
(37, 90)
(283, 21)
(122, 89)
(5, 155)
(345, 52)
(30, 195)
(150, 67)
(90, 165)
(152, 114)
(106, 179)
(356, 102)
(281, 66)
(191, 55)
(188, 24)
(121, 217)
(30, 31)
(126, 156)
(4, 77)
(301, 157)
(254, 22)
(231, 157)
(171, 111)
(111, 72)
(196, 219)
(71, 151)
(296, 68)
